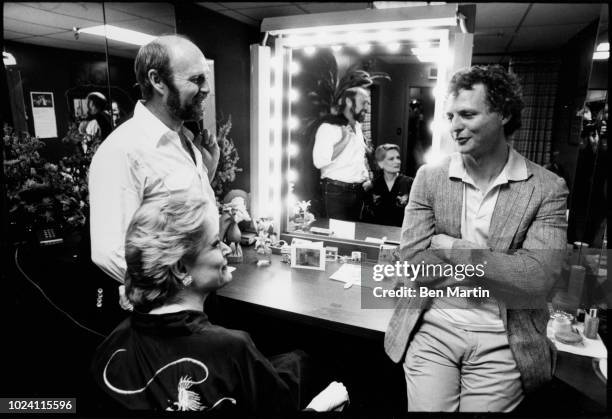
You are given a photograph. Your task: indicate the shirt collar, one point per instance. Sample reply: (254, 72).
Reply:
(155, 128)
(514, 170)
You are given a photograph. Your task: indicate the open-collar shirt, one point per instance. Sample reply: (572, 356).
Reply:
(141, 160)
(476, 213)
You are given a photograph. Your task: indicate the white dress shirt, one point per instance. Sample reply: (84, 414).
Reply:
(477, 211)
(349, 166)
(141, 160)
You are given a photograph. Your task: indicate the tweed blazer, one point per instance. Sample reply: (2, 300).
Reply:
(527, 239)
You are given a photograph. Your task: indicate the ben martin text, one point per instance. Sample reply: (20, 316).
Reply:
(408, 292)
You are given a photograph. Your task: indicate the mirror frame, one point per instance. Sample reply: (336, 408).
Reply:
(271, 81)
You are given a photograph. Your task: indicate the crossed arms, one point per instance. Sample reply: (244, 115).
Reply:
(530, 269)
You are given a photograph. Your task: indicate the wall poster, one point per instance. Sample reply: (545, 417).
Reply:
(43, 112)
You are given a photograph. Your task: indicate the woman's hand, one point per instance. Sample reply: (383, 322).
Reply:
(334, 396)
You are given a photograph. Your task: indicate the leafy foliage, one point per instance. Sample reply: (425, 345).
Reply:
(40, 192)
(228, 161)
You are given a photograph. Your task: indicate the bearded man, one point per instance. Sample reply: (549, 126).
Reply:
(152, 155)
(340, 153)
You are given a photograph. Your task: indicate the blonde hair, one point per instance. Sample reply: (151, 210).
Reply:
(381, 151)
(161, 235)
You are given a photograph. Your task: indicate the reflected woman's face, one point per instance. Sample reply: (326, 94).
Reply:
(391, 163)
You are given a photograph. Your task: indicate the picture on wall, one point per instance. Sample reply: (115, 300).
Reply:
(42, 100)
(43, 113)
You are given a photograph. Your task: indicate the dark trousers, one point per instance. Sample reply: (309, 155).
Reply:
(342, 202)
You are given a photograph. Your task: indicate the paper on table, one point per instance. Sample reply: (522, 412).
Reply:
(342, 229)
(348, 273)
(589, 347)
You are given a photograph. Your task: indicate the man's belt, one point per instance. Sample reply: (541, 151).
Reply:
(343, 185)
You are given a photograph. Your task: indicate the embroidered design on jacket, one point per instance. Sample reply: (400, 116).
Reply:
(186, 399)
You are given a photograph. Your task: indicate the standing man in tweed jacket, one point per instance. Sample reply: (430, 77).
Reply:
(485, 205)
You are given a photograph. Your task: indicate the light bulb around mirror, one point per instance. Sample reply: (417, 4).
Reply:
(394, 47)
(295, 68)
(294, 123)
(291, 175)
(293, 150)
(363, 48)
(294, 95)
(310, 50)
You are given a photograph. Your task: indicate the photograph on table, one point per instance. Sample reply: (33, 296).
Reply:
(308, 256)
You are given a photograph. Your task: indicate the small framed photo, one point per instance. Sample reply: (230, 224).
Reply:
(308, 256)
(331, 254)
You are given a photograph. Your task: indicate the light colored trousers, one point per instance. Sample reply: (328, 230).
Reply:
(449, 369)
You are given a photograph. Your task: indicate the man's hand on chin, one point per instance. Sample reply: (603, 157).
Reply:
(209, 147)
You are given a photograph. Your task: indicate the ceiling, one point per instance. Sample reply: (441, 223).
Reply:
(51, 24)
(500, 28)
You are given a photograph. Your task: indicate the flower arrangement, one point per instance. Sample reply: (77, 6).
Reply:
(39, 192)
(302, 216)
(228, 161)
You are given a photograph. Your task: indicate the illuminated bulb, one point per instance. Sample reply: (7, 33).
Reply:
(393, 46)
(294, 123)
(293, 150)
(291, 175)
(295, 67)
(363, 48)
(336, 48)
(604, 46)
(601, 55)
(309, 50)
(294, 95)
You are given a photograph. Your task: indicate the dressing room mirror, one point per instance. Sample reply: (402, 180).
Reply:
(557, 72)
(588, 201)
(400, 82)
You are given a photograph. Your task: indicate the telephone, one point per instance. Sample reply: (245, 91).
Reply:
(48, 236)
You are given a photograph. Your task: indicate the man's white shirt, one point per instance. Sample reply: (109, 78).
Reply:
(141, 160)
(349, 166)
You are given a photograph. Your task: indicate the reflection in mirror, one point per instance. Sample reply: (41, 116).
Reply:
(364, 115)
(48, 149)
(51, 58)
(128, 26)
(588, 205)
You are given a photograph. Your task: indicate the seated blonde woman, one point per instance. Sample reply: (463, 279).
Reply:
(390, 188)
(167, 355)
